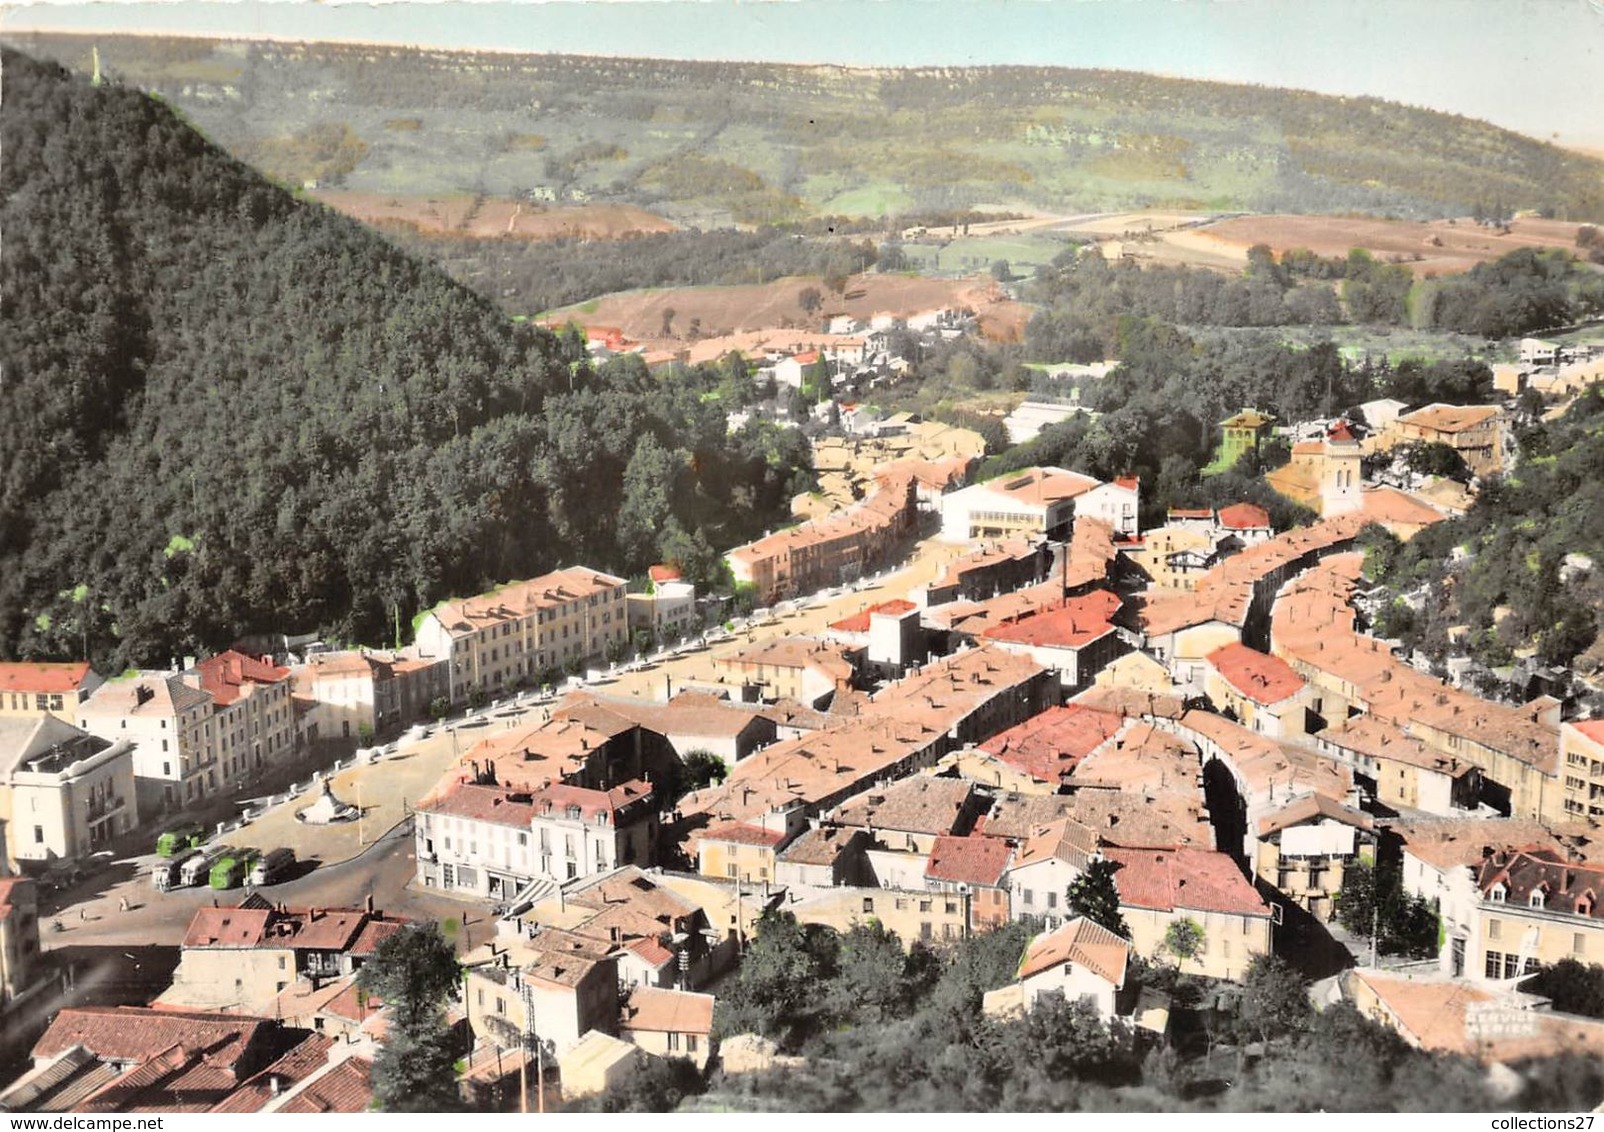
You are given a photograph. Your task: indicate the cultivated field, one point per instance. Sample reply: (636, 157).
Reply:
(463, 214)
(1440, 247)
(729, 317)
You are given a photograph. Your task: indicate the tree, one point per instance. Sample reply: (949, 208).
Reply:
(810, 300)
(1184, 939)
(1275, 998)
(657, 1084)
(1094, 895)
(668, 322)
(1001, 271)
(414, 971)
(439, 708)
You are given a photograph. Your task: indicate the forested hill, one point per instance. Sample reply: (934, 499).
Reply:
(706, 143)
(225, 411)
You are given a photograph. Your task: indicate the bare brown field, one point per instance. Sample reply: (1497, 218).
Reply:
(495, 217)
(739, 317)
(1443, 247)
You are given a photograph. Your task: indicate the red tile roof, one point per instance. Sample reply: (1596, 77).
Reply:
(667, 1011)
(348, 1087)
(663, 573)
(492, 804)
(972, 860)
(1075, 624)
(138, 1033)
(1048, 746)
(859, 622)
(1591, 728)
(28, 676)
(1261, 678)
(1201, 880)
(740, 833)
(300, 1063)
(1079, 941)
(1244, 517)
(225, 675)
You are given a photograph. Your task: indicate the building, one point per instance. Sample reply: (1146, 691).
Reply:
(1082, 961)
(555, 984)
(791, 668)
(243, 958)
(831, 551)
(976, 867)
(1341, 476)
(911, 914)
(1241, 434)
(168, 719)
(1077, 639)
(669, 1023)
(251, 711)
(63, 792)
(1034, 503)
(1582, 756)
(691, 721)
(1119, 504)
(20, 958)
(1160, 888)
(667, 610)
(1473, 431)
(1537, 907)
(1050, 859)
(518, 634)
(1399, 770)
(1046, 748)
(1259, 691)
(597, 1063)
(348, 695)
(910, 815)
(489, 841)
(992, 570)
(823, 857)
(35, 688)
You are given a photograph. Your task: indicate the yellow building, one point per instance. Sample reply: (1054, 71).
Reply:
(1241, 434)
(1581, 747)
(738, 851)
(1536, 908)
(1474, 431)
(927, 917)
(513, 635)
(1159, 888)
(31, 688)
(669, 1023)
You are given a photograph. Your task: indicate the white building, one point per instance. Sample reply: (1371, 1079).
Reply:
(1119, 504)
(1038, 502)
(168, 719)
(667, 610)
(64, 792)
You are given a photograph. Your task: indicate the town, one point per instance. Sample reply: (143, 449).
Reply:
(936, 706)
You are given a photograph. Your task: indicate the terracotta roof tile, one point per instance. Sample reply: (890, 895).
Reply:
(1079, 941)
(1200, 880)
(971, 860)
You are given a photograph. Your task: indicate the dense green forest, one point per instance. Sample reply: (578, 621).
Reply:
(225, 411)
(883, 1030)
(1511, 587)
(711, 143)
(1082, 298)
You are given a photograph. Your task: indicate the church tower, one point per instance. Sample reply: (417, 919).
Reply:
(1340, 473)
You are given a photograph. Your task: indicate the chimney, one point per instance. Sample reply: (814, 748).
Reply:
(369, 905)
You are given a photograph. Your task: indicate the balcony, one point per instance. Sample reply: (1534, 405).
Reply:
(104, 807)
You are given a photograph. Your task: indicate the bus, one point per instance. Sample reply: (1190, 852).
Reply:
(198, 868)
(179, 838)
(169, 871)
(229, 871)
(271, 867)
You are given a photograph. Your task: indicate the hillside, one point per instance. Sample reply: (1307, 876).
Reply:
(226, 411)
(712, 143)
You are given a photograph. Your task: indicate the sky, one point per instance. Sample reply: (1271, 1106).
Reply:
(1536, 66)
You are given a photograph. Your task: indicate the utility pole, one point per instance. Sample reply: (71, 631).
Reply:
(1375, 924)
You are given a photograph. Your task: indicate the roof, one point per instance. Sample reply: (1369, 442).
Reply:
(1389, 505)
(1248, 418)
(1075, 624)
(47, 744)
(1447, 844)
(1065, 840)
(153, 695)
(914, 805)
(662, 573)
(1377, 739)
(228, 675)
(520, 599)
(1079, 941)
(347, 1087)
(1041, 485)
(351, 930)
(1201, 880)
(822, 845)
(1566, 886)
(306, 1058)
(1048, 746)
(1312, 807)
(1590, 728)
(972, 860)
(859, 622)
(492, 804)
(46, 677)
(740, 833)
(138, 1033)
(1255, 675)
(1244, 517)
(1449, 418)
(667, 1011)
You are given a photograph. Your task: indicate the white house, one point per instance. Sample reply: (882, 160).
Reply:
(1118, 504)
(1034, 501)
(1082, 960)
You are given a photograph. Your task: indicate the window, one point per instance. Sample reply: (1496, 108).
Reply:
(1536, 899)
(1029, 897)
(1052, 899)
(868, 904)
(1495, 929)
(281, 962)
(38, 835)
(1497, 894)
(729, 870)
(924, 905)
(1578, 944)
(673, 1042)
(1495, 965)
(690, 1043)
